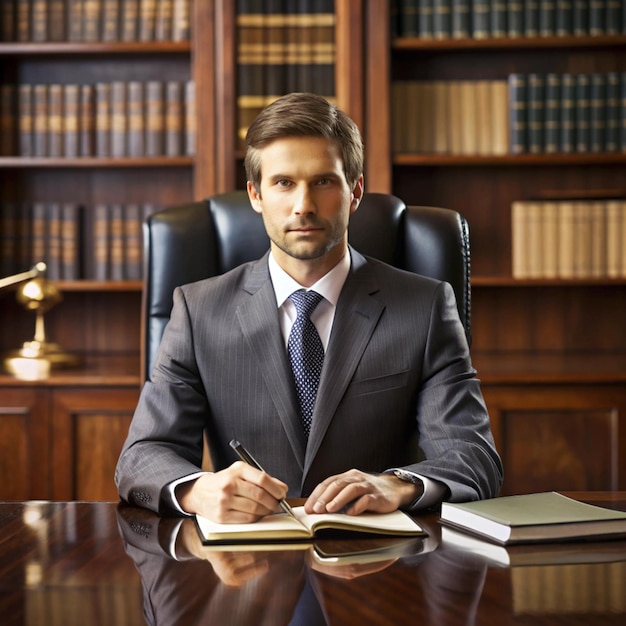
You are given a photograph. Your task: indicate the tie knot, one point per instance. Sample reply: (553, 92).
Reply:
(305, 301)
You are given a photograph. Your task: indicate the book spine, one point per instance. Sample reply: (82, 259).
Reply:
(147, 19)
(130, 20)
(612, 112)
(582, 239)
(460, 19)
(566, 246)
(8, 120)
(39, 241)
(547, 18)
(119, 119)
(133, 241)
(9, 238)
(536, 113)
(155, 119)
(498, 15)
(515, 18)
(406, 23)
(564, 18)
(136, 119)
(40, 120)
(519, 240)
(615, 10)
(531, 18)
(163, 26)
(518, 113)
(86, 121)
(480, 19)
(535, 232)
(484, 116)
(469, 130)
(71, 110)
(173, 118)
(582, 112)
(39, 20)
(181, 23)
(442, 19)
(550, 236)
(500, 108)
(426, 13)
(190, 118)
(622, 98)
(7, 18)
(116, 242)
(111, 20)
(580, 17)
(91, 20)
(75, 20)
(25, 120)
(568, 120)
(70, 241)
(597, 11)
(552, 113)
(22, 24)
(53, 216)
(57, 20)
(103, 119)
(101, 225)
(597, 112)
(275, 51)
(55, 120)
(598, 265)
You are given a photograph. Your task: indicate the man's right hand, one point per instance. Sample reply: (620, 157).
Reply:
(239, 494)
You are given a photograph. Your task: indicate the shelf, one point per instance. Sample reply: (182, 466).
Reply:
(82, 48)
(418, 44)
(103, 162)
(509, 281)
(80, 286)
(588, 158)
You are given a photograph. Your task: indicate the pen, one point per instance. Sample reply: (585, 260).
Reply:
(245, 456)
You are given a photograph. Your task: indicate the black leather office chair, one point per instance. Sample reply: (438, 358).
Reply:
(195, 241)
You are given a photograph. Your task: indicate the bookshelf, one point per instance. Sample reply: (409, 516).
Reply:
(551, 353)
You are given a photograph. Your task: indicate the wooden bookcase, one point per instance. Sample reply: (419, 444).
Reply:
(551, 354)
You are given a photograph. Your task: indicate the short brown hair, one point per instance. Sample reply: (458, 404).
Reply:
(304, 115)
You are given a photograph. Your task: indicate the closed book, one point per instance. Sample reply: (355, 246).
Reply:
(181, 20)
(534, 517)
(103, 119)
(426, 127)
(133, 258)
(484, 117)
(40, 120)
(515, 18)
(500, 112)
(190, 118)
(39, 241)
(536, 113)
(535, 233)
(455, 117)
(119, 119)
(460, 22)
(55, 121)
(75, 20)
(582, 239)
(87, 121)
(111, 20)
(531, 18)
(552, 113)
(615, 243)
(567, 121)
(24, 235)
(550, 240)
(8, 120)
(135, 119)
(100, 246)
(53, 259)
(117, 251)
(547, 18)
(305, 527)
(70, 241)
(582, 112)
(39, 20)
(615, 10)
(71, 115)
(469, 120)
(564, 18)
(91, 20)
(442, 19)
(622, 98)
(25, 120)
(598, 219)
(9, 238)
(173, 118)
(129, 24)
(414, 140)
(567, 240)
(441, 126)
(597, 17)
(147, 19)
(518, 113)
(481, 16)
(612, 112)
(7, 20)
(519, 240)
(425, 12)
(597, 112)
(22, 20)
(155, 119)
(57, 20)
(163, 26)
(580, 17)
(497, 18)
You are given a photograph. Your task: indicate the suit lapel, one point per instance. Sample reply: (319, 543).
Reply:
(356, 317)
(258, 319)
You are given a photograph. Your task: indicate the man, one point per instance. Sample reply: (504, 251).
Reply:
(398, 420)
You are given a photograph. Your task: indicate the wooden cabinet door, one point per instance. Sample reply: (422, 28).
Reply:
(24, 447)
(89, 427)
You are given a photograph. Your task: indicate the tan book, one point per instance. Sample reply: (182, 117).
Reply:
(550, 240)
(174, 116)
(181, 20)
(55, 121)
(75, 20)
(582, 239)
(136, 119)
(623, 237)
(469, 117)
(302, 526)
(119, 119)
(57, 20)
(455, 117)
(40, 120)
(147, 19)
(53, 217)
(101, 225)
(111, 20)
(8, 120)
(103, 119)
(116, 242)
(598, 265)
(519, 240)
(484, 117)
(130, 20)
(535, 246)
(91, 20)
(567, 240)
(155, 119)
(71, 108)
(133, 259)
(426, 96)
(87, 121)
(39, 20)
(615, 241)
(399, 116)
(23, 22)
(441, 106)
(414, 140)
(190, 118)
(533, 518)
(25, 120)
(500, 112)
(165, 16)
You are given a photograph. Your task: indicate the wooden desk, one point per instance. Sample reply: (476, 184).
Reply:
(82, 562)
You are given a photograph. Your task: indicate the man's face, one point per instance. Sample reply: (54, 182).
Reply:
(305, 199)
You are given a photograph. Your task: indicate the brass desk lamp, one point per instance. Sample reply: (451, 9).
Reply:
(36, 358)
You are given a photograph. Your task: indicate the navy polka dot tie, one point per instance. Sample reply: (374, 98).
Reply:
(306, 353)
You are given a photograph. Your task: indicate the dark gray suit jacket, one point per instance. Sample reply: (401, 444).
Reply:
(397, 388)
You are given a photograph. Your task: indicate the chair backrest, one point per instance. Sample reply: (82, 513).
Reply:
(195, 241)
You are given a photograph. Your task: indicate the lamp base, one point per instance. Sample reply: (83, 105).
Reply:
(35, 360)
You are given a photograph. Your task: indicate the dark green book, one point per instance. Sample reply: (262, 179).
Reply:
(622, 98)
(564, 18)
(612, 112)
(425, 22)
(407, 24)
(580, 17)
(613, 24)
(442, 19)
(567, 122)
(597, 17)
(536, 113)
(515, 18)
(460, 19)
(498, 11)
(597, 112)
(518, 142)
(582, 110)
(531, 18)
(480, 12)
(547, 18)
(552, 113)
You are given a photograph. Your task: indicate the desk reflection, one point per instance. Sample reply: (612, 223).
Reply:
(403, 582)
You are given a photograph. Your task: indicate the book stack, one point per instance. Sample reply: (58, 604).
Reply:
(95, 20)
(450, 117)
(482, 19)
(118, 119)
(567, 113)
(282, 47)
(104, 242)
(569, 239)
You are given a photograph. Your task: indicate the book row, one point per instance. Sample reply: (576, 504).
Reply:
(450, 117)
(282, 47)
(481, 19)
(578, 239)
(568, 112)
(95, 20)
(119, 119)
(103, 242)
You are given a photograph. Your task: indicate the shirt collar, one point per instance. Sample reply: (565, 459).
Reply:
(329, 286)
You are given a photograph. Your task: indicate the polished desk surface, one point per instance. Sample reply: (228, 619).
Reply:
(87, 563)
